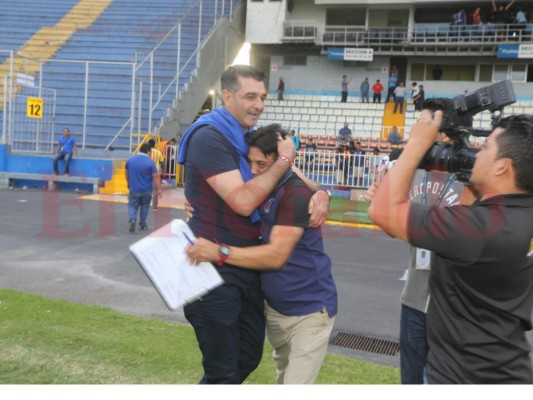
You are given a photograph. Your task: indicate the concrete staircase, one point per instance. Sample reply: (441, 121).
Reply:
(117, 184)
(44, 44)
(391, 119)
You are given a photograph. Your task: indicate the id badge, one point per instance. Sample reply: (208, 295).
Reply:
(423, 259)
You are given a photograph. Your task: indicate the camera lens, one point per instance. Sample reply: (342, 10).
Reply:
(448, 158)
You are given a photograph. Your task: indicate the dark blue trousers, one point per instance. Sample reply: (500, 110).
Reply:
(413, 345)
(229, 323)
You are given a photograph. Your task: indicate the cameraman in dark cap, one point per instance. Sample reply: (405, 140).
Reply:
(481, 280)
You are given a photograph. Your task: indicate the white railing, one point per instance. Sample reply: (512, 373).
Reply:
(5, 100)
(330, 168)
(426, 34)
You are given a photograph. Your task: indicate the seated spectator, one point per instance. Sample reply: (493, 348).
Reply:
(343, 164)
(345, 134)
(310, 150)
(394, 136)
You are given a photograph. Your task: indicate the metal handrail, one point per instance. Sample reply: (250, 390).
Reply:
(427, 33)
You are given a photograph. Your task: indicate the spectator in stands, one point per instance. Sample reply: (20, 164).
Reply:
(481, 280)
(142, 176)
(521, 16)
(394, 136)
(229, 321)
(159, 160)
(394, 70)
(418, 100)
(344, 88)
(377, 88)
(393, 80)
(300, 294)
(343, 163)
(310, 150)
(345, 134)
(459, 18)
(520, 21)
(281, 88)
(375, 160)
(65, 149)
(296, 140)
(399, 92)
(359, 164)
(365, 89)
(414, 91)
(476, 16)
(501, 12)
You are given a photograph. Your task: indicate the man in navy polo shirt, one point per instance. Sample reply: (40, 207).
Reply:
(301, 296)
(481, 281)
(65, 149)
(141, 175)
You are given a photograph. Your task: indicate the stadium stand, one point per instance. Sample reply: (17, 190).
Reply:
(323, 116)
(107, 67)
(20, 20)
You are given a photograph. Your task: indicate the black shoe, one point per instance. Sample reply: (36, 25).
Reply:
(143, 228)
(132, 226)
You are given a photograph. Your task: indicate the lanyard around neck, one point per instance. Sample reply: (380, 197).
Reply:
(449, 181)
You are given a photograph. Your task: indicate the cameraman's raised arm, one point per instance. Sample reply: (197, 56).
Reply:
(390, 206)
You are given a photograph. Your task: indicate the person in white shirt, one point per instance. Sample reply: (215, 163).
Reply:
(399, 92)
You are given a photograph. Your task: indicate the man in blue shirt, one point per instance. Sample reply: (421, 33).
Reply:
(394, 136)
(345, 134)
(296, 140)
(141, 175)
(301, 296)
(365, 88)
(65, 149)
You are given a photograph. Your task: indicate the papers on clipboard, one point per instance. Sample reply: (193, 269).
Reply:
(162, 256)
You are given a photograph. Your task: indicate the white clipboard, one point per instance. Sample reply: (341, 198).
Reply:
(162, 256)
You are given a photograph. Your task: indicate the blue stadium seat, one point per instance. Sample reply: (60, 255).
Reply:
(126, 31)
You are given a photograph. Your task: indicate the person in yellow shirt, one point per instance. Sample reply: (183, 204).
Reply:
(158, 158)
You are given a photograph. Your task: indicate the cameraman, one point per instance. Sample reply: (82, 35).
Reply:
(433, 188)
(481, 280)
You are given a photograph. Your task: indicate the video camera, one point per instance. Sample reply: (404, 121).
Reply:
(457, 124)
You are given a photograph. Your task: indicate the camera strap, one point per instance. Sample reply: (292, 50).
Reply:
(449, 181)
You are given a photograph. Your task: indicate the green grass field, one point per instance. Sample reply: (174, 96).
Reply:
(48, 341)
(350, 211)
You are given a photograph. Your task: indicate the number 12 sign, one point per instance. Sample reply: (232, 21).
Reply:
(34, 108)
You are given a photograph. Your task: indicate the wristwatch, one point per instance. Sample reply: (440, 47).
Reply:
(325, 190)
(223, 254)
